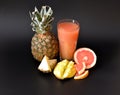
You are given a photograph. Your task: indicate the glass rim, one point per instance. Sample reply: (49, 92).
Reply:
(69, 20)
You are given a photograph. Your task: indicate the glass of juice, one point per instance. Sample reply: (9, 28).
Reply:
(68, 32)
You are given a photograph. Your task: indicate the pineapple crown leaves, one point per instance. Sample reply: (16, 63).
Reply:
(41, 21)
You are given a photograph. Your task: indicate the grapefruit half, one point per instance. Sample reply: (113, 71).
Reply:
(85, 55)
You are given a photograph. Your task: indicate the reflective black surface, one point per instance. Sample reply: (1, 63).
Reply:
(100, 31)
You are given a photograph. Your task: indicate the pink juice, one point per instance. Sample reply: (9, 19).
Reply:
(68, 35)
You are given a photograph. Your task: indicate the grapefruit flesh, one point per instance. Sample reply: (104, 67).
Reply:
(80, 68)
(85, 55)
(81, 76)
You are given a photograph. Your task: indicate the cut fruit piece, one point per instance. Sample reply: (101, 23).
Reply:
(81, 76)
(60, 69)
(52, 63)
(70, 70)
(80, 68)
(47, 65)
(44, 65)
(64, 69)
(85, 55)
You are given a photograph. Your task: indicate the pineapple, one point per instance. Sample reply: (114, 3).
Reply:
(43, 42)
(47, 65)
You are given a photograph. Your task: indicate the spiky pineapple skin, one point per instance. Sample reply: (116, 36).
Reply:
(44, 44)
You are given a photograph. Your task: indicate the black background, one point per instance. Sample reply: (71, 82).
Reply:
(100, 31)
